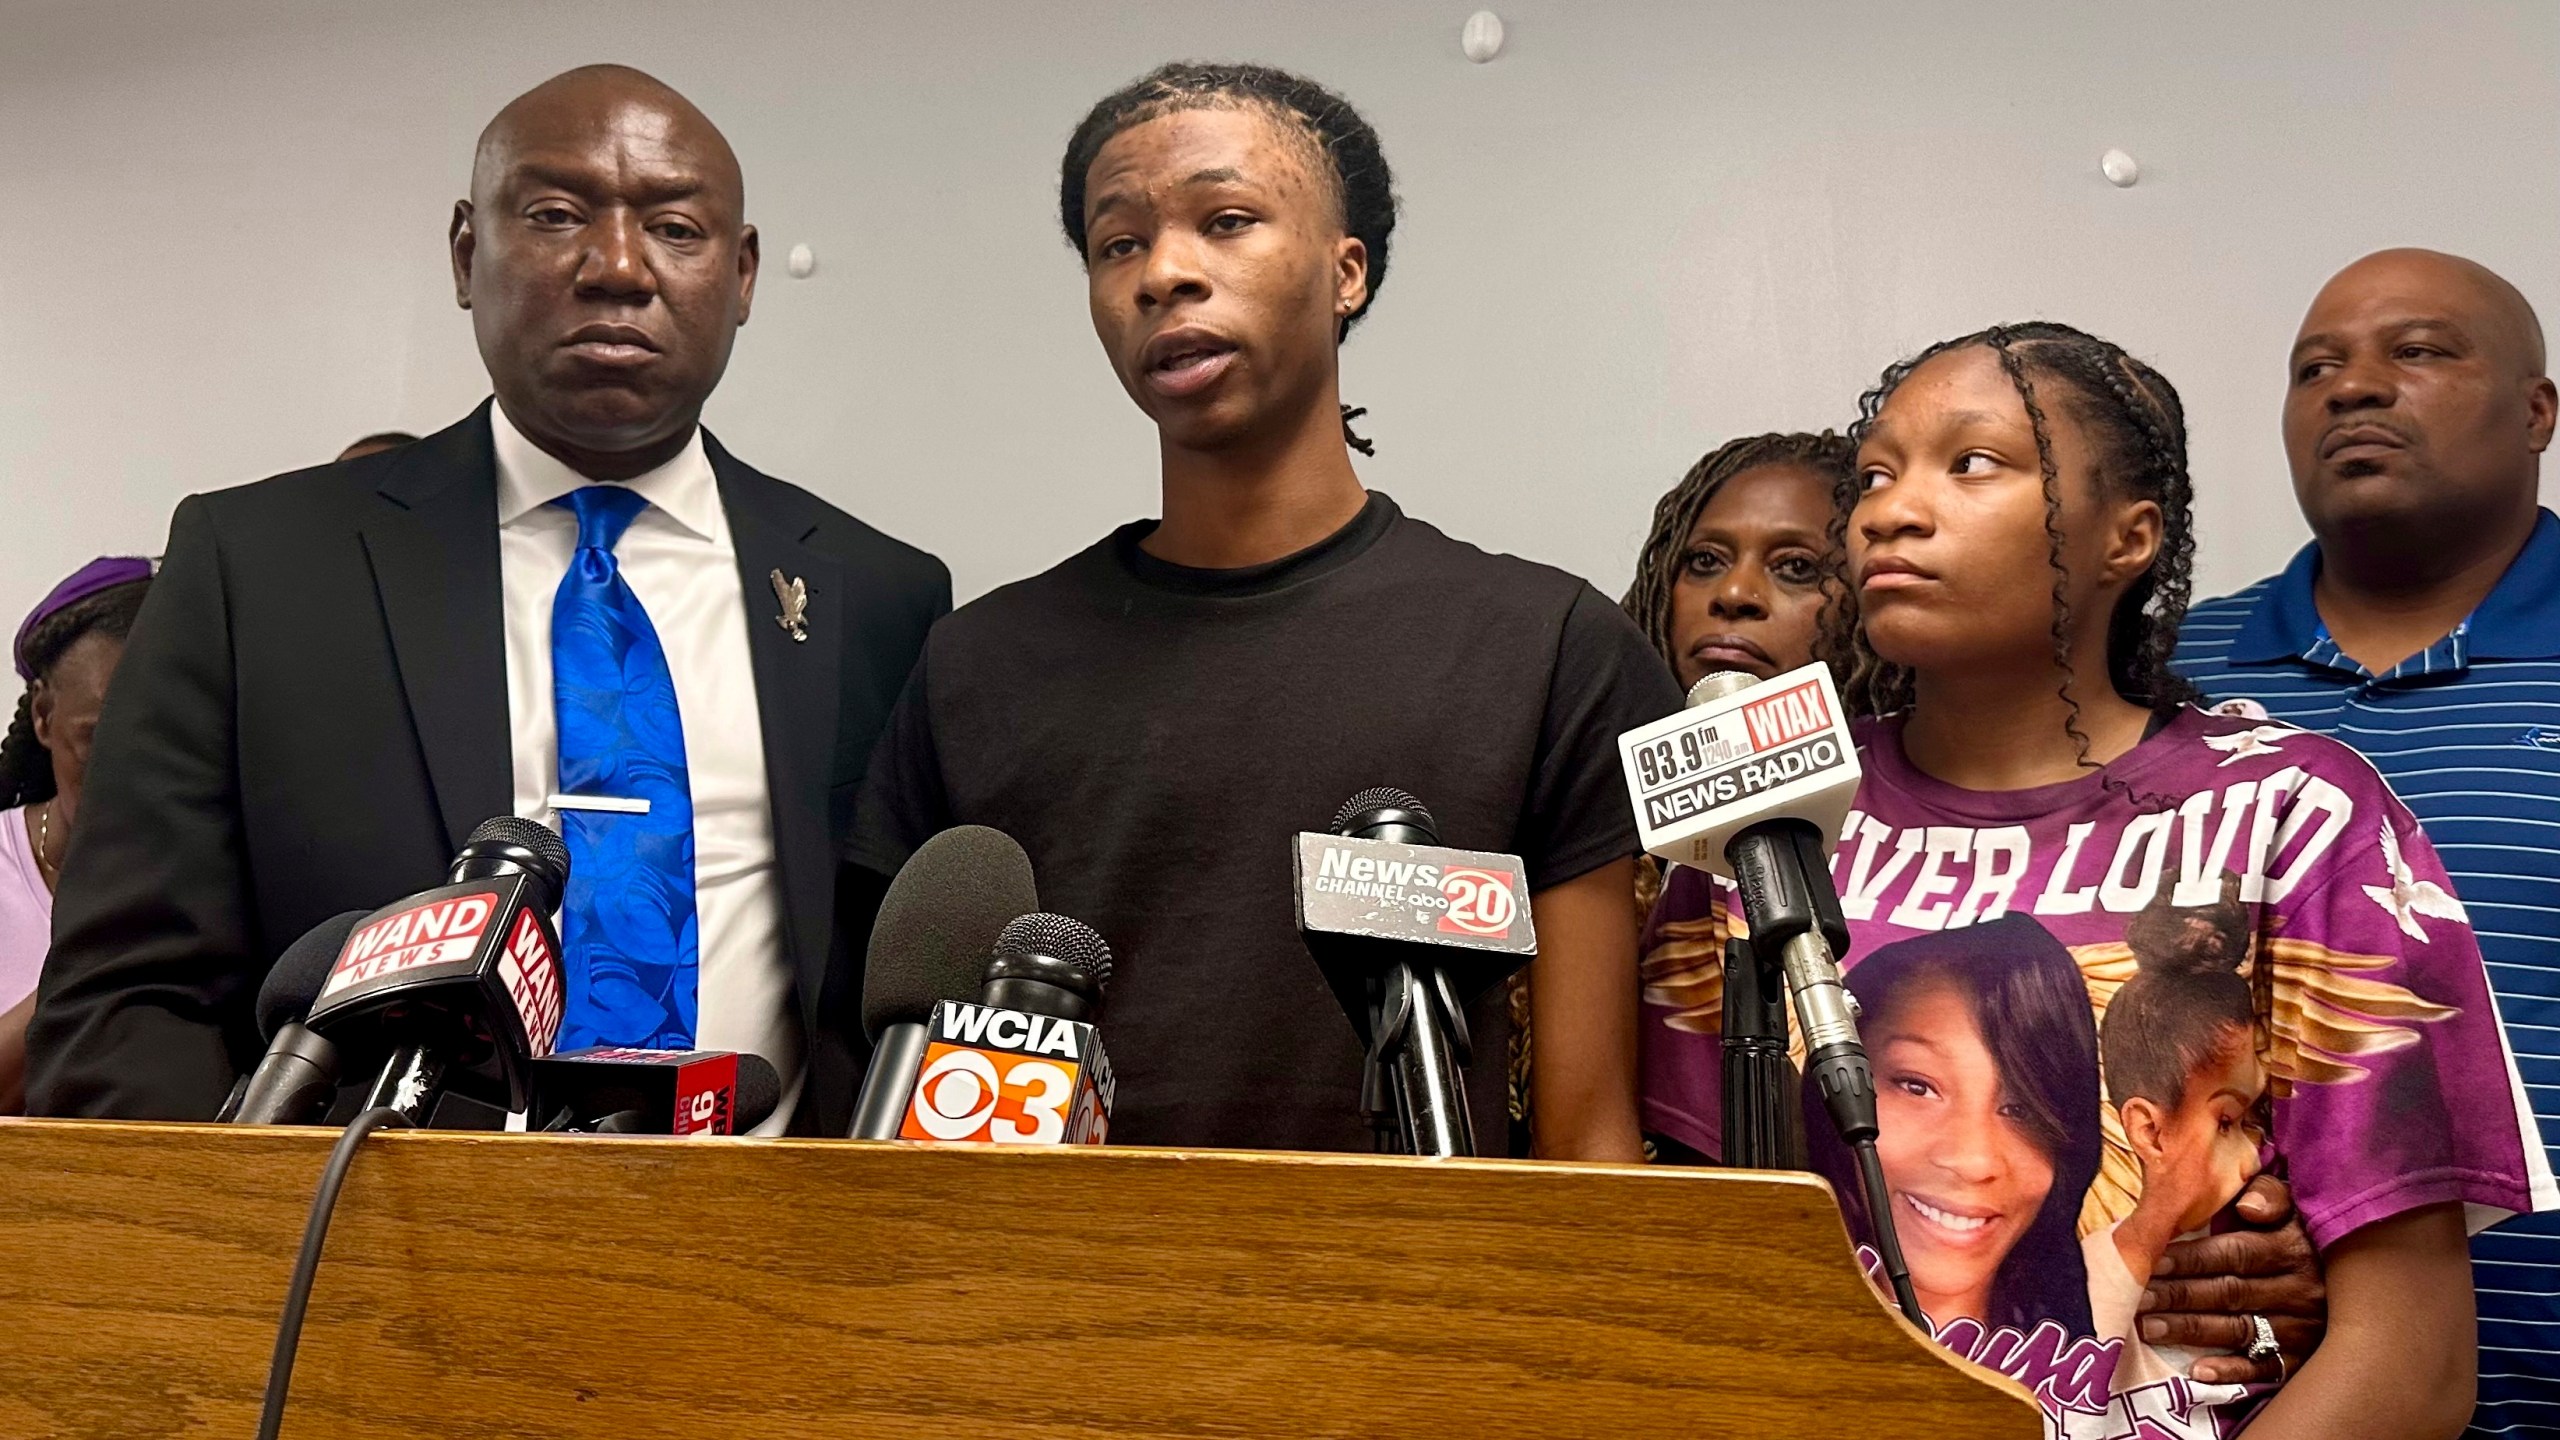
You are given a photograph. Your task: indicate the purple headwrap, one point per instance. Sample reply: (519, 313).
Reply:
(104, 573)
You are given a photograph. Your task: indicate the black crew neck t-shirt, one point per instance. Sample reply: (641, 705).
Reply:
(1156, 735)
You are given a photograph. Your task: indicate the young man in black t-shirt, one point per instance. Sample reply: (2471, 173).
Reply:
(1157, 716)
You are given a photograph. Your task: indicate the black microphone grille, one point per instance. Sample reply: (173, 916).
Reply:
(1059, 937)
(1382, 797)
(545, 843)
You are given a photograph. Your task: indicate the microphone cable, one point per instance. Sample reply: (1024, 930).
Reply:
(1888, 1239)
(1777, 855)
(306, 1266)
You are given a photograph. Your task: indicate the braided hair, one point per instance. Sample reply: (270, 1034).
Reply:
(1658, 565)
(1363, 187)
(2137, 427)
(26, 767)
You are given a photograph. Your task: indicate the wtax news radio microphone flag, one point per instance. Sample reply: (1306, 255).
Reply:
(1733, 760)
(1023, 1064)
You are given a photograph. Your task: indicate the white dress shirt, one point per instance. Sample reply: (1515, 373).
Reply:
(680, 561)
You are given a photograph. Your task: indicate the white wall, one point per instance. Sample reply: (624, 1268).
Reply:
(1645, 228)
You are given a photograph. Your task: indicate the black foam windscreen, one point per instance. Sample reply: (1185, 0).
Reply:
(939, 921)
(294, 981)
(759, 1090)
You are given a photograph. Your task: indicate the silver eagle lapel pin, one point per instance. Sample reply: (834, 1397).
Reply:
(794, 595)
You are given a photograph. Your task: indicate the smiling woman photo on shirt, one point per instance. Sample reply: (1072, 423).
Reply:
(1984, 1060)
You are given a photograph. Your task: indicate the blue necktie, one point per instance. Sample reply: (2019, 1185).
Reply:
(627, 925)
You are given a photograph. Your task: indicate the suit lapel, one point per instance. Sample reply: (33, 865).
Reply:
(798, 694)
(434, 552)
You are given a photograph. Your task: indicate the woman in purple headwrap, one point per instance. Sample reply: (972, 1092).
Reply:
(65, 652)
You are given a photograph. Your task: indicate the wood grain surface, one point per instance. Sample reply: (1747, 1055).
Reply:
(500, 1285)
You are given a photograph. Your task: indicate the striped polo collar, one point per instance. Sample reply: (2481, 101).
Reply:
(2520, 620)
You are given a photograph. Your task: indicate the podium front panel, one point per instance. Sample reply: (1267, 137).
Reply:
(480, 1285)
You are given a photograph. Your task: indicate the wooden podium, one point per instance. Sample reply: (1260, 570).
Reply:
(506, 1285)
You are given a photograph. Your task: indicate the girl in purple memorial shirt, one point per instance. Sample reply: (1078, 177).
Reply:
(2116, 955)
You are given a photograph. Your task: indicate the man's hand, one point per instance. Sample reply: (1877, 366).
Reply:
(2203, 1291)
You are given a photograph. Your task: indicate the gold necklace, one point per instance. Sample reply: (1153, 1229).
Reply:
(50, 869)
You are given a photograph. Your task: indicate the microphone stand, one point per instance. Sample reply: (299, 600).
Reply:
(1414, 1079)
(1385, 1130)
(1788, 899)
(1761, 1121)
(1422, 1048)
(890, 1082)
(411, 1082)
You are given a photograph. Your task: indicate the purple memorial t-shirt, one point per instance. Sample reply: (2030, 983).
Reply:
(2095, 1009)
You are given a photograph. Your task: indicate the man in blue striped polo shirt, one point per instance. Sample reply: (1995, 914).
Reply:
(2422, 626)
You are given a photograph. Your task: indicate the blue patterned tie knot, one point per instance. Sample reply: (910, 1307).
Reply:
(628, 928)
(604, 512)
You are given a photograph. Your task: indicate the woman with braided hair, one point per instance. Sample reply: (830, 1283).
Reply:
(1732, 576)
(65, 652)
(1735, 573)
(2017, 543)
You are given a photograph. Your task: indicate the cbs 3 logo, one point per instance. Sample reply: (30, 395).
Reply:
(1009, 1099)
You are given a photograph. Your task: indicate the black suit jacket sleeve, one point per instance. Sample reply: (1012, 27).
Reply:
(905, 592)
(903, 802)
(144, 1010)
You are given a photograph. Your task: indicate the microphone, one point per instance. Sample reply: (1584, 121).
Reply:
(460, 983)
(298, 1076)
(1368, 893)
(938, 922)
(1023, 1065)
(450, 984)
(1751, 781)
(612, 1090)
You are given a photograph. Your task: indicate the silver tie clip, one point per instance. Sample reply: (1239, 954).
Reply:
(609, 803)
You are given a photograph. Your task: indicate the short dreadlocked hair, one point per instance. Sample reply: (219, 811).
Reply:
(1648, 600)
(1362, 184)
(26, 767)
(2138, 428)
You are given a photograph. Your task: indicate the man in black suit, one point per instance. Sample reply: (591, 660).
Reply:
(343, 670)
